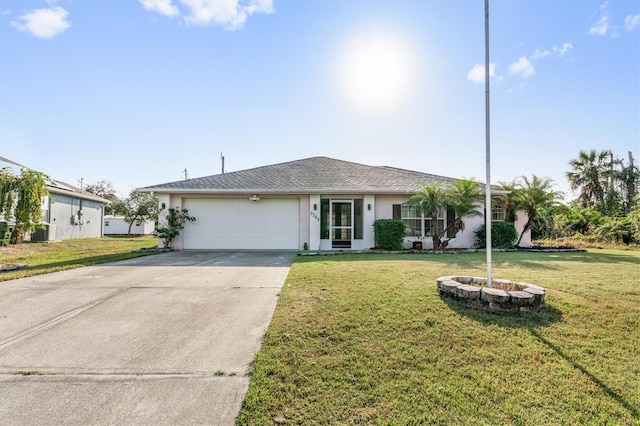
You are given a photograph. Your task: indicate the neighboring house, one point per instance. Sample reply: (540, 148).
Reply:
(69, 212)
(317, 203)
(116, 225)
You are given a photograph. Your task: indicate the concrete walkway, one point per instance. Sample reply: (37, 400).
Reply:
(164, 339)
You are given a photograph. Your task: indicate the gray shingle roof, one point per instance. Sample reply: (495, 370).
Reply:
(55, 186)
(308, 176)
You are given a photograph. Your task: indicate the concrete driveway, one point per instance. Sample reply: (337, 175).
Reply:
(164, 339)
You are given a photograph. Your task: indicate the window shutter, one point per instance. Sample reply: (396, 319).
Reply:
(397, 211)
(451, 218)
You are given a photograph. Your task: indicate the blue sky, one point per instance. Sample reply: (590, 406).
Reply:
(137, 91)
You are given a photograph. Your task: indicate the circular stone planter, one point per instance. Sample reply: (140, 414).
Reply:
(503, 296)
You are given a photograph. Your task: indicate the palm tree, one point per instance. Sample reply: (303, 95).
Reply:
(536, 193)
(431, 199)
(590, 174)
(464, 197)
(510, 201)
(629, 177)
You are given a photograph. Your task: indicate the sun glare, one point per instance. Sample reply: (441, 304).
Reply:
(377, 73)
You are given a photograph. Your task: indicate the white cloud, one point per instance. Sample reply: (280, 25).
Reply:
(561, 51)
(43, 23)
(603, 24)
(229, 13)
(203, 12)
(163, 7)
(540, 54)
(601, 27)
(522, 67)
(631, 22)
(477, 73)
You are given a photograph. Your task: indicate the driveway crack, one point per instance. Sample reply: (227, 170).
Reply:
(33, 331)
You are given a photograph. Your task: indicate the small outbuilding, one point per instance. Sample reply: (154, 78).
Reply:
(117, 225)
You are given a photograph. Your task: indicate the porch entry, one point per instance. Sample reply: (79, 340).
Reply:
(341, 222)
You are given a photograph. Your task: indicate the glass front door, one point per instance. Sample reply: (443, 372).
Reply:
(341, 230)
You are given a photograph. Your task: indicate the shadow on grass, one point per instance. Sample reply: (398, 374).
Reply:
(531, 321)
(542, 318)
(635, 412)
(592, 257)
(460, 260)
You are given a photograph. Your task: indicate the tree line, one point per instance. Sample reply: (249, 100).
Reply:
(605, 210)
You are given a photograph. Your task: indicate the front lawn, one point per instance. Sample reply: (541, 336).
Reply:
(366, 339)
(43, 258)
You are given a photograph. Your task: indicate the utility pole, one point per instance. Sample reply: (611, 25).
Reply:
(222, 161)
(185, 174)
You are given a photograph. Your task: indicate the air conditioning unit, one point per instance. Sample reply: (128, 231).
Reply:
(48, 233)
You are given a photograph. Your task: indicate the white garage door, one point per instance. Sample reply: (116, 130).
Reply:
(223, 224)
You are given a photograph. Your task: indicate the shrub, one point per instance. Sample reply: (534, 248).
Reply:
(389, 234)
(618, 230)
(175, 219)
(503, 235)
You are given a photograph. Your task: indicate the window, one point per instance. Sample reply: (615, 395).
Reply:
(324, 219)
(498, 213)
(358, 220)
(44, 208)
(412, 219)
(428, 229)
(417, 225)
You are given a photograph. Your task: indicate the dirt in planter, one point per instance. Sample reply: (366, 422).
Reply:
(502, 286)
(507, 286)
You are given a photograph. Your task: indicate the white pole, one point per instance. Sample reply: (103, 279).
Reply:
(488, 140)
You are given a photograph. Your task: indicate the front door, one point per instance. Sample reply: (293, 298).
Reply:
(341, 223)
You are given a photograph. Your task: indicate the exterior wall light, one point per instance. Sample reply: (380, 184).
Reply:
(315, 207)
(254, 198)
(369, 207)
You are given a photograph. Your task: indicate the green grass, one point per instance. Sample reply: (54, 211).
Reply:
(366, 339)
(43, 258)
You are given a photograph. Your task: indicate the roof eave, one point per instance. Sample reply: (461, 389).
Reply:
(242, 191)
(67, 192)
(268, 191)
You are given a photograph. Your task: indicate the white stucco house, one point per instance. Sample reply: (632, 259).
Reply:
(317, 203)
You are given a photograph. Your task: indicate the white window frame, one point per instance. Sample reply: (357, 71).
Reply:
(498, 214)
(425, 221)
